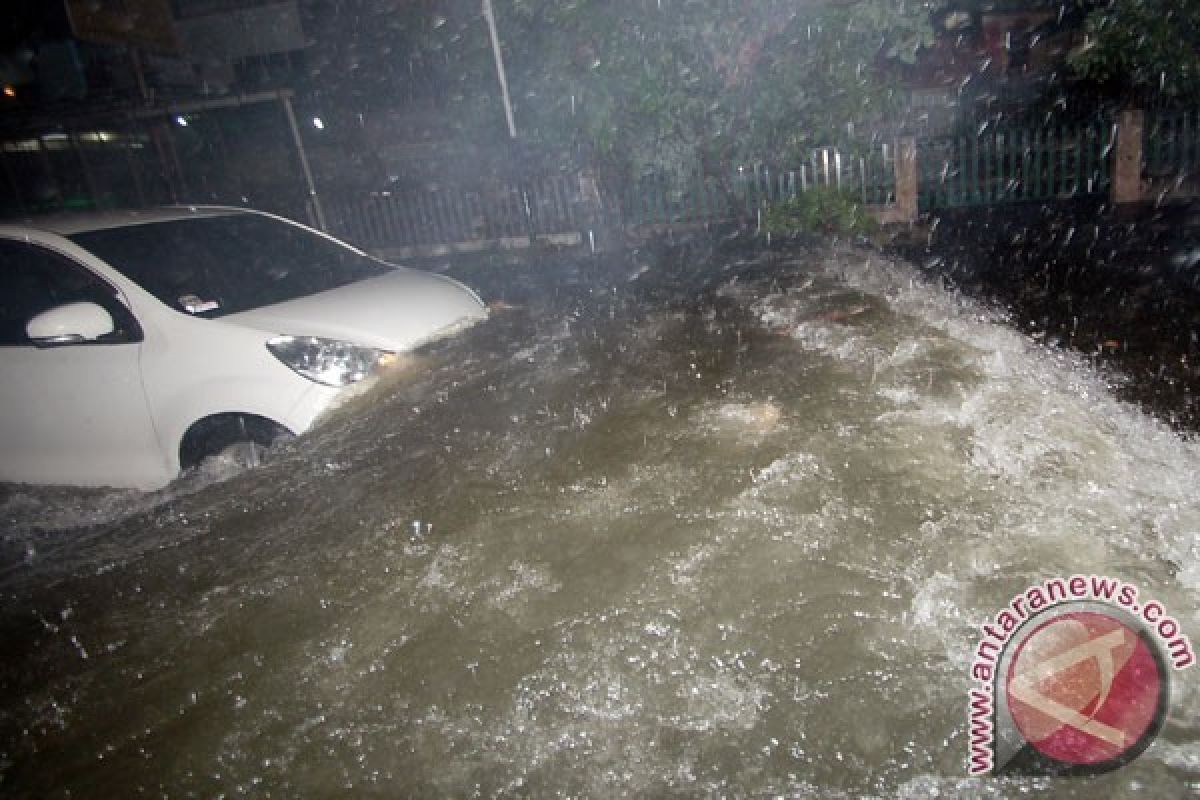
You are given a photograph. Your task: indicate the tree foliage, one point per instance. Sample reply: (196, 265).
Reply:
(681, 85)
(1135, 47)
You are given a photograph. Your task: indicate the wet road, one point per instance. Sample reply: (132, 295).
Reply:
(691, 524)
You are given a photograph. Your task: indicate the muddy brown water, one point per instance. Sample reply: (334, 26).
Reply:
(700, 526)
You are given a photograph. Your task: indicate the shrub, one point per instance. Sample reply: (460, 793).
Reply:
(822, 210)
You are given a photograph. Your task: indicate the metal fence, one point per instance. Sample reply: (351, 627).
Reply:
(417, 218)
(1172, 145)
(479, 216)
(111, 166)
(1009, 164)
(660, 200)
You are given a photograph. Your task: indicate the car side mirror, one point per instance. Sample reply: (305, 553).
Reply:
(74, 323)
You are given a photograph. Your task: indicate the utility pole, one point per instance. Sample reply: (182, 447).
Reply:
(315, 211)
(490, 16)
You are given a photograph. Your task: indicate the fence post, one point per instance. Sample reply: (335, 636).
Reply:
(905, 167)
(597, 227)
(1127, 167)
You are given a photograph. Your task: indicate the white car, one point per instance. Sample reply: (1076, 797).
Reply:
(136, 344)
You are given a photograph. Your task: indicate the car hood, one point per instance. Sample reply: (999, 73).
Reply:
(399, 310)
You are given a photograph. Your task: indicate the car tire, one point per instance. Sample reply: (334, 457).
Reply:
(233, 440)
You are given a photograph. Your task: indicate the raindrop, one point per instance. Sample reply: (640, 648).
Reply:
(83, 653)
(1112, 139)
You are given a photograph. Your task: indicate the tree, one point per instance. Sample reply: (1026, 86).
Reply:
(1137, 47)
(682, 85)
(628, 87)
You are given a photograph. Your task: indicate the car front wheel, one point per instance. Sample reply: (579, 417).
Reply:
(230, 440)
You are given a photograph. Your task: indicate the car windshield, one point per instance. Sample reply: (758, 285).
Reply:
(212, 266)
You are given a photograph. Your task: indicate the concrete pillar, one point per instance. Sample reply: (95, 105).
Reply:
(1127, 164)
(906, 180)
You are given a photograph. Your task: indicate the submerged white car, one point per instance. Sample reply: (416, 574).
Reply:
(137, 344)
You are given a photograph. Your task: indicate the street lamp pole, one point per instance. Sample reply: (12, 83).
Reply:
(490, 16)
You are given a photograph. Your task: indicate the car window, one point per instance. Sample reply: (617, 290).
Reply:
(34, 279)
(212, 266)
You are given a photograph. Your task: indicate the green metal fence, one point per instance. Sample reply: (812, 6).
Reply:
(1172, 145)
(745, 191)
(1009, 164)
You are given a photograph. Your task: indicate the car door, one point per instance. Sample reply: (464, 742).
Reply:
(72, 413)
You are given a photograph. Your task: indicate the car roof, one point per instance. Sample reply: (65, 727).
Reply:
(67, 224)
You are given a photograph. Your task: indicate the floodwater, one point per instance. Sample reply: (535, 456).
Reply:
(1119, 285)
(691, 526)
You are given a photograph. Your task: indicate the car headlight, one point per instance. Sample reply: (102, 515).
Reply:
(329, 361)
